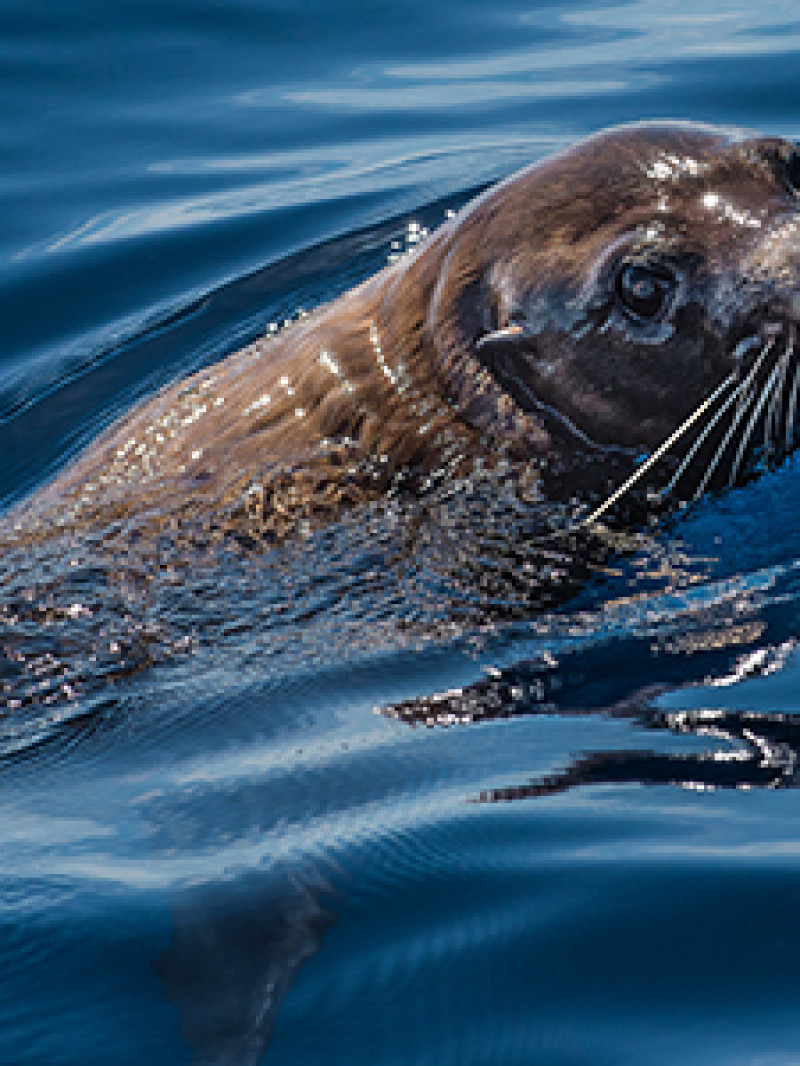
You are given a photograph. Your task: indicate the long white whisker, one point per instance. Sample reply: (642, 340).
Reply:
(741, 349)
(740, 413)
(792, 411)
(792, 408)
(773, 415)
(763, 396)
(745, 399)
(661, 450)
(698, 444)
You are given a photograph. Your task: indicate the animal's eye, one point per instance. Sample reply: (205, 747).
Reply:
(792, 170)
(644, 291)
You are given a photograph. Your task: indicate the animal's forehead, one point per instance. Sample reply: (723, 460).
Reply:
(629, 170)
(677, 177)
(734, 195)
(674, 153)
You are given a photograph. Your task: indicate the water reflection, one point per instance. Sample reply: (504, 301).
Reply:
(577, 52)
(463, 94)
(746, 748)
(763, 753)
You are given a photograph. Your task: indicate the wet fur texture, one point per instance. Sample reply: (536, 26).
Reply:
(390, 386)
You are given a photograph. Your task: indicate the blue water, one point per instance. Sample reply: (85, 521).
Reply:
(236, 853)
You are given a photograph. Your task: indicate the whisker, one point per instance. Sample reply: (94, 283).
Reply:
(792, 411)
(773, 415)
(740, 413)
(661, 450)
(698, 444)
(739, 350)
(792, 408)
(763, 396)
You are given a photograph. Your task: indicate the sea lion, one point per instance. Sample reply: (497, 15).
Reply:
(568, 320)
(615, 325)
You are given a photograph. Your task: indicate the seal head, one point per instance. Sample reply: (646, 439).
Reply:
(614, 288)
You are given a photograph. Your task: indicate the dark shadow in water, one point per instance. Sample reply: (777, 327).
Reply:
(235, 951)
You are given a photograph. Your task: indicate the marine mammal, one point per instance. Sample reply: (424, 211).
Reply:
(615, 324)
(569, 319)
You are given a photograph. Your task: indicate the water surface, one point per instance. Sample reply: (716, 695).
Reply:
(235, 851)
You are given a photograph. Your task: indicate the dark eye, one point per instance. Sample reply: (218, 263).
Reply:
(792, 171)
(644, 291)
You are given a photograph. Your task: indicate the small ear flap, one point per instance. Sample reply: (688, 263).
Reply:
(509, 354)
(503, 336)
(466, 318)
(466, 331)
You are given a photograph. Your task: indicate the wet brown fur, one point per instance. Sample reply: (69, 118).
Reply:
(400, 393)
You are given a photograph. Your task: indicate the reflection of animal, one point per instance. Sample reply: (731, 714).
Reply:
(569, 319)
(623, 680)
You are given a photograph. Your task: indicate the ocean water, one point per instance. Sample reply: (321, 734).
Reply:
(250, 854)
